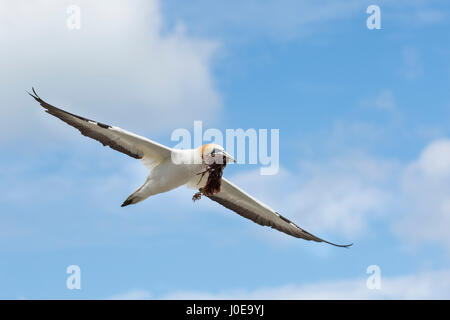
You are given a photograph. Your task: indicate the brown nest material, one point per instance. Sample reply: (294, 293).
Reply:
(214, 181)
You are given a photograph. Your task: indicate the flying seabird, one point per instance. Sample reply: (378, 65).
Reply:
(199, 168)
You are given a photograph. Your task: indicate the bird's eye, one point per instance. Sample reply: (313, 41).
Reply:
(213, 152)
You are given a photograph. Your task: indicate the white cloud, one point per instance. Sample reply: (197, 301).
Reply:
(343, 195)
(433, 284)
(122, 67)
(430, 284)
(426, 196)
(424, 285)
(434, 160)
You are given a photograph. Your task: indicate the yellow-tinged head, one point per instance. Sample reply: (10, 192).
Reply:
(212, 152)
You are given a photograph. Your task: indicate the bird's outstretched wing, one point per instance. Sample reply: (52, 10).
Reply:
(233, 198)
(151, 153)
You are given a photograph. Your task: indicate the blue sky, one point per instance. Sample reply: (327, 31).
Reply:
(364, 148)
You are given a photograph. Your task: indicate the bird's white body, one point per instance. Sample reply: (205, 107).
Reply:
(184, 167)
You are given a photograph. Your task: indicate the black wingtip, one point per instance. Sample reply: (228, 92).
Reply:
(126, 203)
(34, 95)
(339, 245)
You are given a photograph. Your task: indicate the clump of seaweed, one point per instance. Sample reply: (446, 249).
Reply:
(214, 181)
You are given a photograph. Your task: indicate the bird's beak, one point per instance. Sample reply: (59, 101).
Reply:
(228, 156)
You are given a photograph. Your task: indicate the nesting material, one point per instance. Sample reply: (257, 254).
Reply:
(214, 181)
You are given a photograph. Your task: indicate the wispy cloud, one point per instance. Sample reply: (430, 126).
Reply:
(135, 294)
(416, 14)
(411, 67)
(385, 100)
(273, 20)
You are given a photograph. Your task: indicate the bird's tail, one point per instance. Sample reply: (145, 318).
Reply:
(136, 196)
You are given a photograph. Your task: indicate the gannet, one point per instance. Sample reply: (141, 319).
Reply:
(172, 168)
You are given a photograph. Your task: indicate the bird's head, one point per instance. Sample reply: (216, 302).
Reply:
(214, 153)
